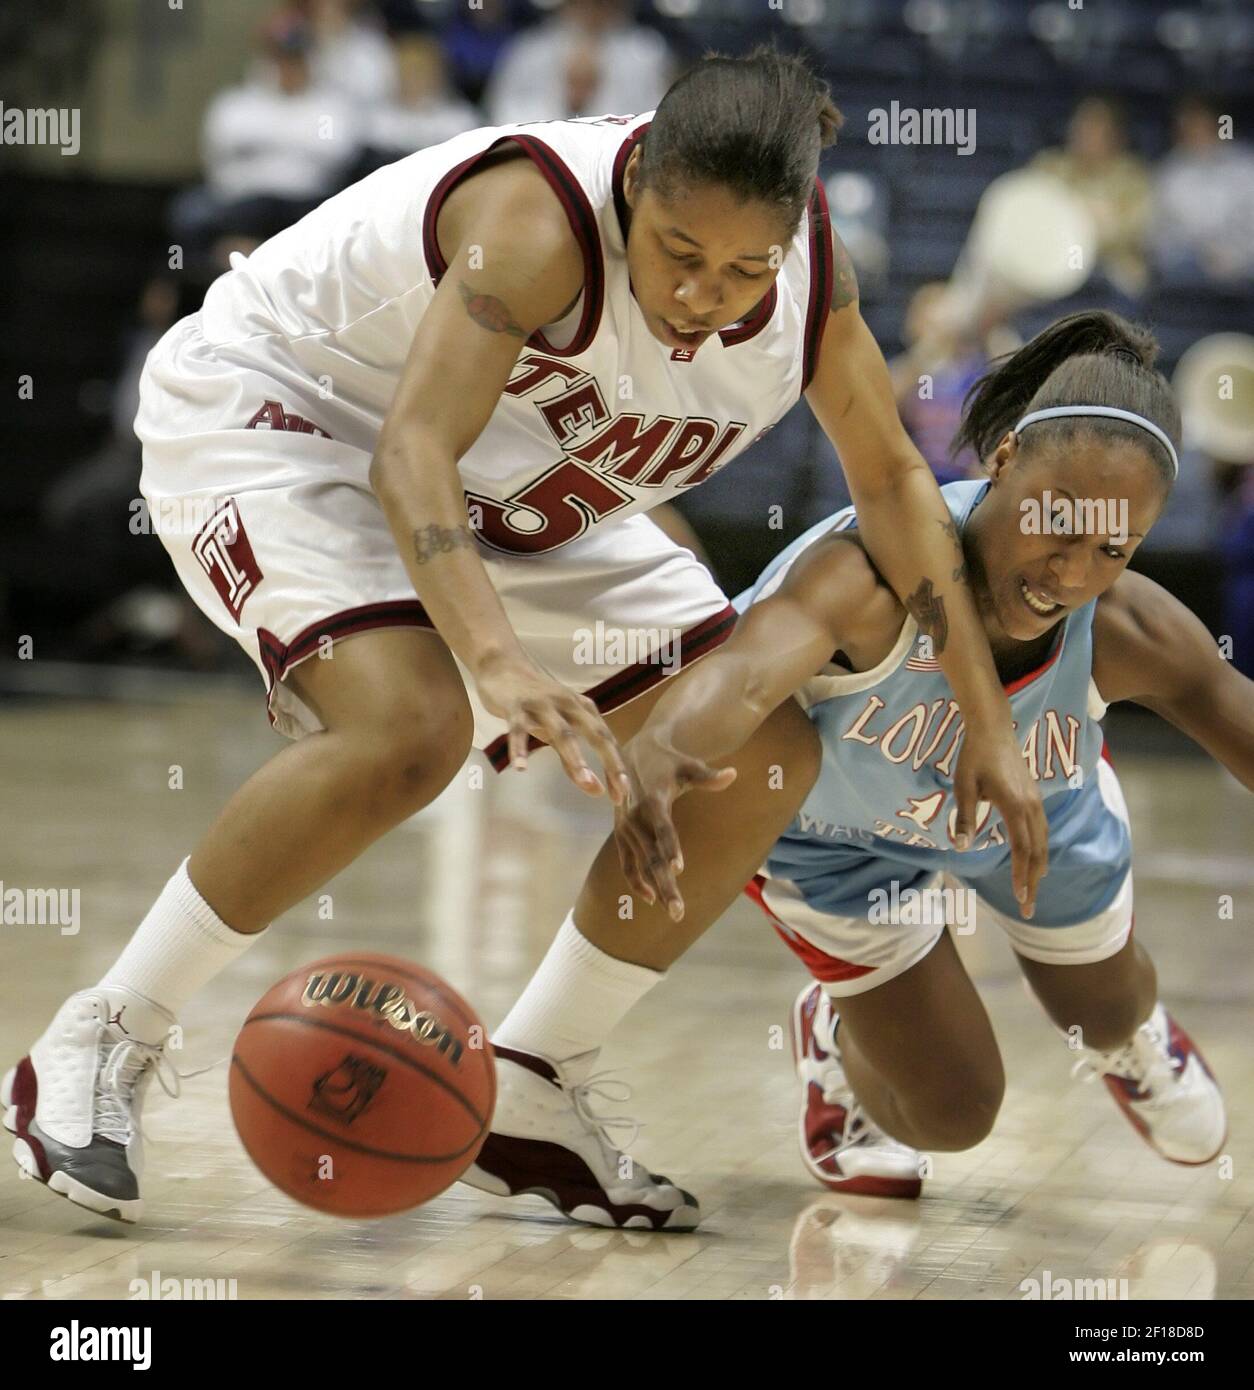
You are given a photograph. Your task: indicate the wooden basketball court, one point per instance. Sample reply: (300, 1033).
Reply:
(107, 797)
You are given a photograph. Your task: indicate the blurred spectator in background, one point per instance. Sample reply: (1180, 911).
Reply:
(1114, 183)
(858, 206)
(1203, 209)
(350, 53)
(589, 59)
(474, 40)
(425, 112)
(1214, 383)
(931, 380)
(274, 147)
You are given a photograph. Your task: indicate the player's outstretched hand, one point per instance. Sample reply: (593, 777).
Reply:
(991, 768)
(533, 703)
(648, 845)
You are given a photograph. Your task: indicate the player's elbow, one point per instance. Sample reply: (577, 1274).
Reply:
(399, 448)
(902, 468)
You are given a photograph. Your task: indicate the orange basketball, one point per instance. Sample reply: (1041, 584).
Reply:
(362, 1085)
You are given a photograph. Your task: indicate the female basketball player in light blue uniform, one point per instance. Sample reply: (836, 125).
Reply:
(1076, 430)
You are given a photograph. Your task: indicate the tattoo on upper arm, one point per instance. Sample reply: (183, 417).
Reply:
(845, 286)
(490, 312)
(927, 608)
(960, 570)
(433, 540)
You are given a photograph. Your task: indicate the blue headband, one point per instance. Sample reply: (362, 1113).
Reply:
(1109, 412)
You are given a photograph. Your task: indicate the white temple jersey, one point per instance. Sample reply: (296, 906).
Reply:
(599, 420)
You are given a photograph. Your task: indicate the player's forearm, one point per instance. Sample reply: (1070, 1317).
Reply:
(418, 485)
(713, 710)
(913, 541)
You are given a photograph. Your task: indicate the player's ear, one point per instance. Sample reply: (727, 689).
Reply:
(1003, 456)
(631, 172)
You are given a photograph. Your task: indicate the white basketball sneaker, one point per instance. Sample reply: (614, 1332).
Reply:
(74, 1103)
(547, 1142)
(1161, 1082)
(840, 1144)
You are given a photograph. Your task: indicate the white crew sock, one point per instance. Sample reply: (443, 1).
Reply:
(575, 999)
(180, 946)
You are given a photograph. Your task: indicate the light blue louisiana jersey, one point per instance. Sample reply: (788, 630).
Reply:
(882, 809)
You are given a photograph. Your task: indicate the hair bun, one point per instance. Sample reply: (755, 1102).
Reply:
(1123, 350)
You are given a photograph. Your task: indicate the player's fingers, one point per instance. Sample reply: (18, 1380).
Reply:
(629, 862)
(1018, 828)
(561, 737)
(590, 724)
(713, 779)
(662, 876)
(518, 741)
(653, 835)
(1038, 866)
(966, 797)
(664, 835)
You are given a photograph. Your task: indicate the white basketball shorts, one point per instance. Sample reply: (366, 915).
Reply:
(277, 536)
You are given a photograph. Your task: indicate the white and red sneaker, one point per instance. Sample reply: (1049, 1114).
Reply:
(840, 1144)
(74, 1102)
(547, 1142)
(1161, 1082)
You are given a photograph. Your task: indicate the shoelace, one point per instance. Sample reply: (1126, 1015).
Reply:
(860, 1128)
(1143, 1060)
(123, 1067)
(601, 1086)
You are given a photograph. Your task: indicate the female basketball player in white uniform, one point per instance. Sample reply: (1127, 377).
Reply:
(431, 416)
(1077, 414)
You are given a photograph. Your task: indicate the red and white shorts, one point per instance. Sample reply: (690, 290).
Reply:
(277, 536)
(852, 955)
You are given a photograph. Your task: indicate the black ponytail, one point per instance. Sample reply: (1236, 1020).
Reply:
(1090, 358)
(755, 124)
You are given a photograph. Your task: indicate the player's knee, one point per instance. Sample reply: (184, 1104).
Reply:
(406, 759)
(960, 1113)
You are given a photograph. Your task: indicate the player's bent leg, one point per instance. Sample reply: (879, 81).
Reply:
(1107, 1000)
(894, 1049)
(1152, 1068)
(920, 1054)
(546, 1138)
(841, 1146)
(397, 727)
(1100, 989)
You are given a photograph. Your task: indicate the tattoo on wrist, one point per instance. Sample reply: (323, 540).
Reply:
(430, 541)
(927, 608)
(960, 570)
(490, 312)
